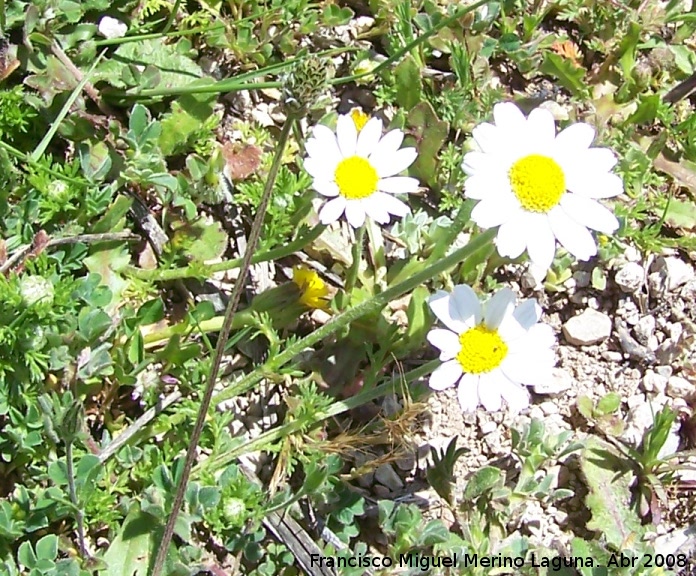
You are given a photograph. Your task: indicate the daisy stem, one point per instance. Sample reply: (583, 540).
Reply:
(463, 216)
(221, 346)
(352, 274)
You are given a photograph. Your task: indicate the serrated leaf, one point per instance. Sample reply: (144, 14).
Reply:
(409, 84)
(201, 240)
(568, 74)
(609, 483)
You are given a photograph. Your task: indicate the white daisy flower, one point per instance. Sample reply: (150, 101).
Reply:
(491, 351)
(357, 169)
(539, 186)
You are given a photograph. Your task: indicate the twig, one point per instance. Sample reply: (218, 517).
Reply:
(220, 348)
(79, 513)
(84, 238)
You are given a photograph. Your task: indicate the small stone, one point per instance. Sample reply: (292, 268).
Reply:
(386, 476)
(630, 277)
(582, 278)
(548, 408)
(665, 371)
(653, 382)
(644, 329)
(677, 272)
(406, 463)
(632, 255)
(612, 356)
(678, 387)
(382, 492)
(590, 327)
(488, 427)
(560, 382)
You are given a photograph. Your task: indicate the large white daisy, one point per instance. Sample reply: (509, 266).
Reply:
(491, 351)
(357, 168)
(539, 186)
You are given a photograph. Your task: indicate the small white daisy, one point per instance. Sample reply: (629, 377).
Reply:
(539, 186)
(490, 350)
(357, 169)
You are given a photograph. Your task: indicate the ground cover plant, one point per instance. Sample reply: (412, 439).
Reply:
(361, 287)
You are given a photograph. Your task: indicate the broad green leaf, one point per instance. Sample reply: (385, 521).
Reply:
(609, 498)
(482, 481)
(609, 403)
(428, 134)
(129, 553)
(409, 85)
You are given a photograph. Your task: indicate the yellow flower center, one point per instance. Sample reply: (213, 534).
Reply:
(356, 178)
(359, 118)
(482, 350)
(538, 182)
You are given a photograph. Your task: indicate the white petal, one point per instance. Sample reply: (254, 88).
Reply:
(321, 168)
(541, 129)
(601, 159)
(475, 162)
(391, 204)
(516, 396)
(398, 184)
(511, 239)
(347, 135)
(355, 213)
(467, 393)
(464, 305)
(446, 341)
(390, 142)
(489, 390)
(369, 137)
(486, 137)
(332, 210)
(573, 237)
(541, 243)
(486, 184)
(509, 117)
(445, 376)
(589, 212)
(596, 186)
(527, 313)
(498, 306)
(522, 368)
(325, 188)
(389, 165)
(495, 211)
(575, 138)
(375, 210)
(440, 305)
(325, 141)
(541, 336)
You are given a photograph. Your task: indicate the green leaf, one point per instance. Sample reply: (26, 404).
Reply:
(95, 160)
(47, 547)
(646, 111)
(609, 403)
(151, 312)
(418, 318)
(188, 116)
(609, 498)
(428, 133)
(201, 240)
(681, 214)
(409, 84)
(586, 407)
(565, 71)
(129, 553)
(482, 481)
(115, 217)
(26, 555)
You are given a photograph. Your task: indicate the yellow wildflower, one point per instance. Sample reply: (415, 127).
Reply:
(313, 291)
(359, 118)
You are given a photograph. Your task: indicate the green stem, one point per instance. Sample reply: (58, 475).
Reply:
(263, 440)
(241, 320)
(38, 165)
(356, 252)
(205, 271)
(223, 338)
(370, 306)
(79, 515)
